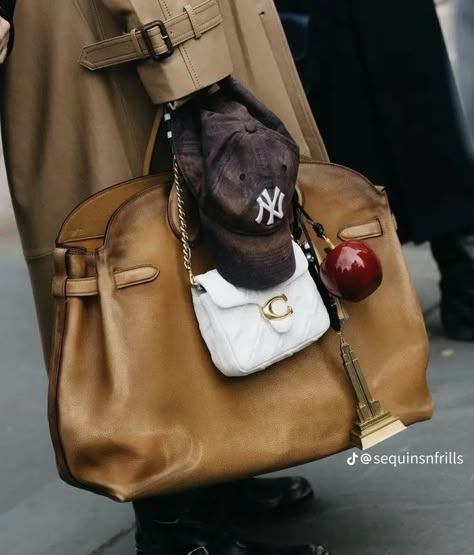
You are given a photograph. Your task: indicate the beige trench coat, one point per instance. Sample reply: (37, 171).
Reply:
(69, 131)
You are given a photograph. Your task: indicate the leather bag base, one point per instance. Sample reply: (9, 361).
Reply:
(136, 407)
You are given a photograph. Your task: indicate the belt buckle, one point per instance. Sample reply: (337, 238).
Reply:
(158, 23)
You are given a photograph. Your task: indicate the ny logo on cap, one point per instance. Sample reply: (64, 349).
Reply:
(265, 202)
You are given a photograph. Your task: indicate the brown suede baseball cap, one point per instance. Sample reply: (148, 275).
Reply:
(241, 164)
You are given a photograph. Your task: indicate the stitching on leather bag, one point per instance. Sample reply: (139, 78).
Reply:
(116, 186)
(85, 238)
(148, 279)
(119, 286)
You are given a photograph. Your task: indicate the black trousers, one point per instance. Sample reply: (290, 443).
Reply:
(166, 508)
(385, 101)
(199, 502)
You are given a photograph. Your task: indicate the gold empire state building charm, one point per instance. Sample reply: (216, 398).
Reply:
(373, 424)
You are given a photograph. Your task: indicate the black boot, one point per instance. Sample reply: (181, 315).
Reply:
(158, 538)
(455, 257)
(180, 524)
(264, 495)
(184, 539)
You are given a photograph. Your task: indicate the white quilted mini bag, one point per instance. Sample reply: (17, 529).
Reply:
(247, 331)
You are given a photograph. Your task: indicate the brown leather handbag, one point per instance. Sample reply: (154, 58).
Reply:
(136, 407)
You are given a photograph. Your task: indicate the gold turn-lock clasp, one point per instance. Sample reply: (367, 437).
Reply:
(269, 311)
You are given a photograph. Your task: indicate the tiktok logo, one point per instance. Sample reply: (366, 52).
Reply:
(352, 459)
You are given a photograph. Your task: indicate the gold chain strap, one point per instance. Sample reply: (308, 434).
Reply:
(178, 182)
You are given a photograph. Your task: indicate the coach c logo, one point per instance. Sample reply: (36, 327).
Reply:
(280, 304)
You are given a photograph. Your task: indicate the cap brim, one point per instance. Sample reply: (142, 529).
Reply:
(251, 261)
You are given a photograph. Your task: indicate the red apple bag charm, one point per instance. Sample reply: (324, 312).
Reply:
(351, 270)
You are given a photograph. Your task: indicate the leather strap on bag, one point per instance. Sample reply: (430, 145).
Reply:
(155, 40)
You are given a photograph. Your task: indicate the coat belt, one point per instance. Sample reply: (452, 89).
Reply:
(155, 40)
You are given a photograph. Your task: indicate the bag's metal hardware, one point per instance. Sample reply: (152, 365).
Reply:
(187, 253)
(170, 48)
(269, 312)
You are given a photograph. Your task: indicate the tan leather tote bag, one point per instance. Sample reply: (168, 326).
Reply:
(136, 407)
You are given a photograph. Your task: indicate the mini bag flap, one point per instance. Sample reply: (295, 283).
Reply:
(225, 295)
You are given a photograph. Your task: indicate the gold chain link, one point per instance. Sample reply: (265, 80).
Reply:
(178, 182)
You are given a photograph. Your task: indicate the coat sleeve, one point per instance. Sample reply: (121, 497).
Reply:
(200, 53)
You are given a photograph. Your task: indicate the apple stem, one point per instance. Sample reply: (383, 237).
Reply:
(330, 244)
(317, 227)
